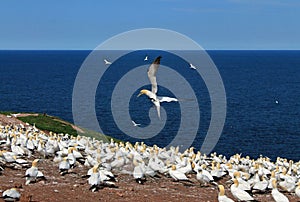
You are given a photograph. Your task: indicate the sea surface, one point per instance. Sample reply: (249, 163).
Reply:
(262, 93)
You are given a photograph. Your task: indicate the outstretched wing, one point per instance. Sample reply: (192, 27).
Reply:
(152, 74)
(167, 99)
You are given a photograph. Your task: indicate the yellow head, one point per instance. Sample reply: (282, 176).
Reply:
(35, 162)
(236, 174)
(221, 190)
(236, 182)
(95, 169)
(143, 92)
(193, 165)
(173, 167)
(274, 184)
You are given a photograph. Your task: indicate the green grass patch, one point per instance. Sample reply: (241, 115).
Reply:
(57, 125)
(49, 123)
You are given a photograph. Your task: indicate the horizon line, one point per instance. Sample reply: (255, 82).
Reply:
(150, 49)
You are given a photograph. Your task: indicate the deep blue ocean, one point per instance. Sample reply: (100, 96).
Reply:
(262, 92)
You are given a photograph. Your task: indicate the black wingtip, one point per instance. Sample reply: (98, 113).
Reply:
(157, 60)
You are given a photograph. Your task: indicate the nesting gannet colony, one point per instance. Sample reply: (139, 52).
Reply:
(24, 148)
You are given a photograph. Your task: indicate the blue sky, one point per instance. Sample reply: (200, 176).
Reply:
(214, 24)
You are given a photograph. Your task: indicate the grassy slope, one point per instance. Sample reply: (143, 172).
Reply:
(55, 124)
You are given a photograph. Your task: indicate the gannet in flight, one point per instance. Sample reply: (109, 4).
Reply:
(152, 94)
(135, 124)
(192, 66)
(107, 62)
(146, 58)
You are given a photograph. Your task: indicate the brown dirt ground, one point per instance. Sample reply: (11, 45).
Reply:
(72, 187)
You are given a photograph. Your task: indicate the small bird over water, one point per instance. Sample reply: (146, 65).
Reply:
(192, 66)
(152, 94)
(135, 124)
(107, 62)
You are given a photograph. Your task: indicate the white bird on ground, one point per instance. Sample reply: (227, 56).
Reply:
(204, 177)
(11, 195)
(192, 66)
(135, 124)
(64, 166)
(222, 197)
(94, 179)
(32, 173)
(107, 62)
(152, 94)
(238, 193)
(277, 196)
(177, 175)
(146, 58)
(139, 172)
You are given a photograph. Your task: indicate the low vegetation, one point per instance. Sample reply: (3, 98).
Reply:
(51, 123)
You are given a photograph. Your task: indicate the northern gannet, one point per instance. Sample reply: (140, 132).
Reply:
(222, 197)
(11, 195)
(139, 172)
(192, 66)
(64, 166)
(177, 175)
(204, 177)
(135, 124)
(152, 94)
(277, 196)
(261, 185)
(32, 173)
(94, 179)
(146, 58)
(238, 193)
(107, 62)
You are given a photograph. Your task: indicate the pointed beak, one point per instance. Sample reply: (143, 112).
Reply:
(139, 94)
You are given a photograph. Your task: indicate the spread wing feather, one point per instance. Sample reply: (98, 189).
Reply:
(152, 74)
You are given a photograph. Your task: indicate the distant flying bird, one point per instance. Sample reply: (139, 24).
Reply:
(107, 62)
(152, 94)
(276, 101)
(192, 66)
(135, 124)
(146, 58)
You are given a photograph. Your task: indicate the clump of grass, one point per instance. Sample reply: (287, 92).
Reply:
(57, 125)
(49, 123)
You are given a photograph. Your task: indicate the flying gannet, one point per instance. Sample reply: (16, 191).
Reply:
(192, 66)
(107, 62)
(135, 124)
(152, 94)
